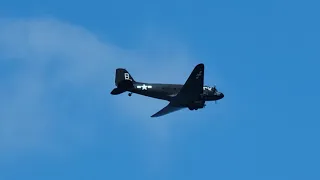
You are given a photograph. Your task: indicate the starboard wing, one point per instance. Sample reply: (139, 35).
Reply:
(190, 91)
(192, 88)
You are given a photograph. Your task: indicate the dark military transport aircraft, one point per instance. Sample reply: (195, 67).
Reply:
(193, 94)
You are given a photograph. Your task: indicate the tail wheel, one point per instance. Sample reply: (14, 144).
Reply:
(130, 94)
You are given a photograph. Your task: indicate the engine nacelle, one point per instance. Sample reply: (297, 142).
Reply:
(197, 105)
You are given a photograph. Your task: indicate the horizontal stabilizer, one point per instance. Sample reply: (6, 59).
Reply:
(117, 91)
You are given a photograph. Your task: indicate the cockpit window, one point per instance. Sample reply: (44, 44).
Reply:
(214, 89)
(208, 88)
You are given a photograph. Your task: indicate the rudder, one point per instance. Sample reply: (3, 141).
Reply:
(123, 81)
(122, 75)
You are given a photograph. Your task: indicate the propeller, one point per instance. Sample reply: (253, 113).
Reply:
(214, 88)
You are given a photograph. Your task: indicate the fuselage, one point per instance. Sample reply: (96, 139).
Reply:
(168, 91)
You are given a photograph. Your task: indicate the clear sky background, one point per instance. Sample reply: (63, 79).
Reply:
(59, 121)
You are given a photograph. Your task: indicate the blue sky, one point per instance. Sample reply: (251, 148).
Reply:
(57, 63)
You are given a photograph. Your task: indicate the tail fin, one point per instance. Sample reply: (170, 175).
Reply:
(123, 81)
(121, 75)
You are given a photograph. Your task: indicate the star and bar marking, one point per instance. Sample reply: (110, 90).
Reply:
(144, 87)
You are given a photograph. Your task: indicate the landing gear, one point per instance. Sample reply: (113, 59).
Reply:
(130, 94)
(190, 108)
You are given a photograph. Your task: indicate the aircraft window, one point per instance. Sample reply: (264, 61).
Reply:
(208, 88)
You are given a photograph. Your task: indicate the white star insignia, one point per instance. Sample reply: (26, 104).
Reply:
(144, 87)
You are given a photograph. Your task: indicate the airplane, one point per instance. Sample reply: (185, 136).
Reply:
(192, 94)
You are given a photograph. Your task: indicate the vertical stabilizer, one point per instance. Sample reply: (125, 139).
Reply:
(122, 75)
(123, 81)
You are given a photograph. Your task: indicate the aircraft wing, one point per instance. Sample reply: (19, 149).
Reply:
(192, 88)
(166, 110)
(190, 91)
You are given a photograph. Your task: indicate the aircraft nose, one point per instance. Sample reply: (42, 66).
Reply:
(221, 95)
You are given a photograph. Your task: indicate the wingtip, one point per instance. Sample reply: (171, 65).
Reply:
(200, 65)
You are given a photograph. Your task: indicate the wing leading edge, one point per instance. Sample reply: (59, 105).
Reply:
(189, 92)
